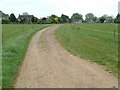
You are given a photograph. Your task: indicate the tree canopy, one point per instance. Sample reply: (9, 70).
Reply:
(76, 17)
(65, 18)
(102, 19)
(117, 19)
(89, 17)
(54, 19)
(12, 18)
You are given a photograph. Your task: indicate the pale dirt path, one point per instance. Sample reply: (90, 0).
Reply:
(48, 65)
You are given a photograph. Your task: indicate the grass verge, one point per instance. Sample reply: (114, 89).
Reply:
(15, 42)
(94, 42)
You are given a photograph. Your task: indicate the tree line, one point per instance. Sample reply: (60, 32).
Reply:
(54, 19)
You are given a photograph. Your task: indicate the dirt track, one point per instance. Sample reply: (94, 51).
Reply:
(48, 65)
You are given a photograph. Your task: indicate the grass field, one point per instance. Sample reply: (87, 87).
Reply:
(15, 42)
(94, 42)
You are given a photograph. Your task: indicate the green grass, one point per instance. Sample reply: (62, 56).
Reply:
(15, 42)
(94, 42)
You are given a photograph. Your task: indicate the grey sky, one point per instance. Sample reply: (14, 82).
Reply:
(41, 8)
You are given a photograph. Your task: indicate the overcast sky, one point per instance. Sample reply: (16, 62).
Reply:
(41, 8)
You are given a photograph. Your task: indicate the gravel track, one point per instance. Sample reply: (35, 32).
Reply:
(48, 65)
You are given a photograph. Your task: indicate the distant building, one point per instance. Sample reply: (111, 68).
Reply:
(25, 18)
(4, 16)
(109, 20)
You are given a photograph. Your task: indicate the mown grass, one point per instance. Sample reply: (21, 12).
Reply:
(94, 42)
(15, 42)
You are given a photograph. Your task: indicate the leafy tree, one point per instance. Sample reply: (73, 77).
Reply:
(117, 19)
(22, 20)
(54, 18)
(49, 20)
(34, 19)
(89, 17)
(95, 19)
(98, 20)
(12, 18)
(5, 21)
(109, 19)
(76, 17)
(60, 20)
(118, 15)
(39, 21)
(65, 18)
(102, 19)
(44, 20)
